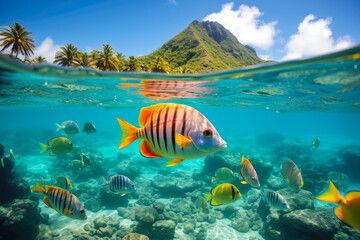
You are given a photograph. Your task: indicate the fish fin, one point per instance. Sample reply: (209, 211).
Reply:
(174, 162)
(331, 195)
(59, 127)
(287, 180)
(2, 162)
(145, 114)
(52, 153)
(146, 151)
(48, 188)
(12, 155)
(38, 188)
(104, 182)
(339, 213)
(47, 202)
(44, 147)
(52, 140)
(244, 182)
(123, 194)
(214, 203)
(302, 183)
(182, 141)
(213, 179)
(129, 133)
(67, 211)
(352, 195)
(242, 174)
(82, 159)
(207, 196)
(242, 160)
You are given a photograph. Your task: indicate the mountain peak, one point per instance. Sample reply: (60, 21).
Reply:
(206, 46)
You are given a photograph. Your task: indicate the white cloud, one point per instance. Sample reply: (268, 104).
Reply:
(314, 37)
(244, 23)
(47, 49)
(264, 56)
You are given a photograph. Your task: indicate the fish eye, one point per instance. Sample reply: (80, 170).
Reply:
(132, 185)
(207, 133)
(238, 192)
(253, 178)
(82, 211)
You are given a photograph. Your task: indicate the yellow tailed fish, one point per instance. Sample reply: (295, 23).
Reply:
(173, 131)
(349, 210)
(57, 146)
(61, 201)
(223, 194)
(223, 175)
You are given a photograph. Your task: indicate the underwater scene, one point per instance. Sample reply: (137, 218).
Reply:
(263, 152)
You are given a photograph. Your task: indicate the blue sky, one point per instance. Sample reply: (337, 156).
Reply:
(139, 27)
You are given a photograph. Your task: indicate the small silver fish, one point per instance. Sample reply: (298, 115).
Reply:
(68, 127)
(120, 183)
(275, 200)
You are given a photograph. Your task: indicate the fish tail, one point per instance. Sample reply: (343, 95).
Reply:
(105, 182)
(59, 127)
(213, 179)
(2, 162)
(208, 196)
(331, 195)
(44, 148)
(129, 133)
(38, 188)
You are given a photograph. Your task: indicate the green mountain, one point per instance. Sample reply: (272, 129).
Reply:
(205, 47)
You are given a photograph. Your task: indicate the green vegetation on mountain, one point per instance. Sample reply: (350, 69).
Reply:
(205, 47)
(201, 47)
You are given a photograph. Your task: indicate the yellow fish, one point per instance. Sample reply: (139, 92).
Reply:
(172, 131)
(349, 210)
(63, 182)
(223, 194)
(316, 143)
(57, 146)
(223, 175)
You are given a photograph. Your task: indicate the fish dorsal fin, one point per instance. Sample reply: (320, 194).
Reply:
(51, 141)
(146, 112)
(352, 195)
(339, 213)
(302, 183)
(49, 188)
(242, 174)
(214, 203)
(213, 190)
(174, 162)
(182, 141)
(47, 202)
(146, 151)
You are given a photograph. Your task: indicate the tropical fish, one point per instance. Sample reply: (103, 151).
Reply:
(275, 200)
(68, 127)
(203, 205)
(172, 131)
(89, 128)
(2, 154)
(223, 194)
(57, 146)
(316, 143)
(248, 173)
(85, 160)
(291, 173)
(120, 183)
(349, 210)
(223, 175)
(61, 201)
(63, 182)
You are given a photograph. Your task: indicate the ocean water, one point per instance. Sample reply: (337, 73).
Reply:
(268, 113)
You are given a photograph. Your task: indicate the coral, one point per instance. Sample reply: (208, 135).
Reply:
(100, 228)
(46, 233)
(14, 187)
(135, 236)
(163, 229)
(21, 214)
(276, 183)
(189, 228)
(112, 199)
(128, 168)
(146, 214)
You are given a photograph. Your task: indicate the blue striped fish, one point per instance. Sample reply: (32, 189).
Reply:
(120, 183)
(173, 131)
(275, 200)
(61, 201)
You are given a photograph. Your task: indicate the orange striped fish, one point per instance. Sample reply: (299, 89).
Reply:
(248, 173)
(173, 131)
(61, 201)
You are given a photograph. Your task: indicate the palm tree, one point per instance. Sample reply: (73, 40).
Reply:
(131, 65)
(83, 60)
(38, 59)
(159, 65)
(17, 37)
(185, 69)
(106, 60)
(66, 56)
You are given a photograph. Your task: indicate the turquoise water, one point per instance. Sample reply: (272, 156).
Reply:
(269, 113)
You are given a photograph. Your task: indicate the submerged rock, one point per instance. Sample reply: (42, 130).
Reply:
(341, 180)
(298, 200)
(163, 229)
(146, 214)
(135, 236)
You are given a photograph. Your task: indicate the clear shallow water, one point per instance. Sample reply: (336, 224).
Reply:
(269, 113)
